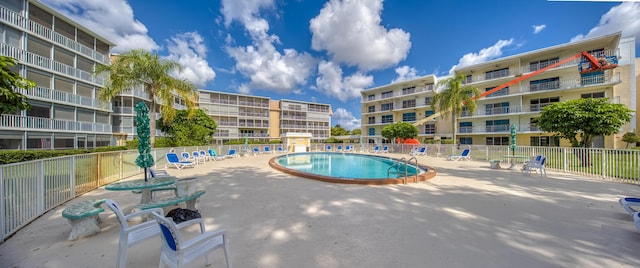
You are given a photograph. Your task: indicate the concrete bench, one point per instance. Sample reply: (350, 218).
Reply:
(84, 217)
(495, 163)
(190, 200)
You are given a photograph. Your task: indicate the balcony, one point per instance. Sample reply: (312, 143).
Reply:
(27, 25)
(418, 90)
(17, 122)
(56, 67)
(249, 124)
(50, 95)
(576, 83)
(484, 129)
(123, 110)
(138, 92)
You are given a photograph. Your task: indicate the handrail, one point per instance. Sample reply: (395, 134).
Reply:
(406, 168)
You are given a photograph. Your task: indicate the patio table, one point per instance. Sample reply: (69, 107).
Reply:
(141, 184)
(513, 160)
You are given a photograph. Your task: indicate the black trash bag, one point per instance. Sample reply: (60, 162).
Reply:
(182, 214)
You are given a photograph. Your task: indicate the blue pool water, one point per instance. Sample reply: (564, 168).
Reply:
(344, 166)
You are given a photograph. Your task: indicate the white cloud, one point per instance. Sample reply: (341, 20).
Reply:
(405, 73)
(113, 20)
(265, 66)
(483, 55)
(345, 119)
(330, 82)
(351, 33)
(189, 50)
(538, 28)
(624, 17)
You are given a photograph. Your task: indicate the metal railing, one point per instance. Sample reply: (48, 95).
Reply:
(18, 122)
(30, 189)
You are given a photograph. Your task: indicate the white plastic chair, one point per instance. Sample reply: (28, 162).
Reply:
(176, 252)
(538, 166)
(132, 235)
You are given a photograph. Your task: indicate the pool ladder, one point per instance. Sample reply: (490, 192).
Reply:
(406, 169)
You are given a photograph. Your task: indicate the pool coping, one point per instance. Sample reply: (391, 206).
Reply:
(429, 174)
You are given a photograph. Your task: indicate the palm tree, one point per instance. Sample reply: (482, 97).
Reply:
(453, 98)
(139, 66)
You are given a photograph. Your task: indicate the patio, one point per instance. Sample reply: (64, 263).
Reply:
(467, 216)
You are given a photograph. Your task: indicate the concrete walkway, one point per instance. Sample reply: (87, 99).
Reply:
(467, 216)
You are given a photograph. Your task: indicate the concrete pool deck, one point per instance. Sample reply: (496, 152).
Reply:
(467, 216)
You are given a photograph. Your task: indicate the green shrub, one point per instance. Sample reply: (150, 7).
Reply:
(132, 144)
(163, 142)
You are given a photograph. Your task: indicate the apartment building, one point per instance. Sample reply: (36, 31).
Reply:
(59, 55)
(516, 104)
(261, 119)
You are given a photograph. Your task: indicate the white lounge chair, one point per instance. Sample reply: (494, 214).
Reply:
(636, 220)
(421, 151)
(134, 234)
(536, 165)
(173, 160)
(267, 150)
(385, 149)
(376, 149)
(628, 203)
(328, 148)
(198, 158)
(280, 150)
(231, 154)
(204, 155)
(176, 251)
(463, 156)
(213, 155)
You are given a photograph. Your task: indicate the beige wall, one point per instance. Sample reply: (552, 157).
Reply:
(274, 119)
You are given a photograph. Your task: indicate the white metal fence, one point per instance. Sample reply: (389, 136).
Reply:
(30, 189)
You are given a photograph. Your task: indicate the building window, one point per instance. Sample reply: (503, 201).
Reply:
(592, 95)
(592, 78)
(429, 113)
(372, 131)
(386, 107)
(497, 140)
(387, 118)
(427, 101)
(372, 120)
(537, 104)
(408, 90)
(496, 73)
(371, 108)
(430, 129)
(465, 140)
(429, 87)
(387, 94)
(295, 107)
(497, 125)
(544, 84)
(371, 97)
(501, 92)
(496, 108)
(537, 65)
(409, 117)
(408, 103)
(465, 127)
(469, 79)
(545, 141)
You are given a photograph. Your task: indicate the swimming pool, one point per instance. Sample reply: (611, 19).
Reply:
(349, 168)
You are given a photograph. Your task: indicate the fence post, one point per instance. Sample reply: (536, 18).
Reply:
(40, 185)
(604, 164)
(121, 166)
(2, 212)
(72, 175)
(564, 160)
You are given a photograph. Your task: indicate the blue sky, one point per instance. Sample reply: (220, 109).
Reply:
(329, 51)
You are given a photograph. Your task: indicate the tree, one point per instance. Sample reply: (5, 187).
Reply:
(356, 131)
(190, 128)
(338, 130)
(580, 120)
(401, 130)
(138, 67)
(453, 98)
(630, 137)
(10, 81)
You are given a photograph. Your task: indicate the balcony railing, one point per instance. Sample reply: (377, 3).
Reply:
(48, 94)
(569, 84)
(418, 90)
(46, 63)
(18, 122)
(136, 92)
(25, 24)
(123, 110)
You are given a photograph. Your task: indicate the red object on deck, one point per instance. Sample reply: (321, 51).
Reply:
(411, 141)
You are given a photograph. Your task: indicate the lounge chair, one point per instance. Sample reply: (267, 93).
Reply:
(328, 148)
(421, 151)
(256, 150)
(213, 155)
(231, 154)
(280, 150)
(537, 164)
(339, 149)
(385, 149)
(376, 149)
(204, 154)
(176, 251)
(187, 157)
(463, 156)
(173, 160)
(348, 148)
(267, 150)
(197, 158)
(629, 202)
(636, 220)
